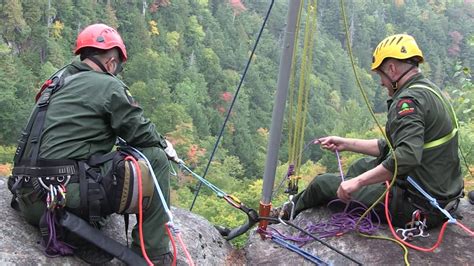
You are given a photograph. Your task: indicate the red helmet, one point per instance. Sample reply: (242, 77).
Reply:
(102, 37)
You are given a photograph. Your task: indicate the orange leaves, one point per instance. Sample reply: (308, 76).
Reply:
(194, 153)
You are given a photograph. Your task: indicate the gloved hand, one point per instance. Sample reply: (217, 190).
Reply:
(171, 153)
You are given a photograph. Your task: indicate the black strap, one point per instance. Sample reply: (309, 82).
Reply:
(83, 186)
(98, 63)
(96, 237)
(26, 132)
(94, 195)
(91, 193)
(126, 220)
(39, 122)
(13, 184)
(20, 149)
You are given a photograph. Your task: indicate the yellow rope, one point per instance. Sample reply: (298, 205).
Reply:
(311, 24)
(392, 151)
(291, 152)
(296, 132)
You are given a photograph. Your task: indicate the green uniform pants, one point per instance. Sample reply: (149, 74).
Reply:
(324, 187)
(154, 218)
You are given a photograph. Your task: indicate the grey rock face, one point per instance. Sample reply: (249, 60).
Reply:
(457, 247)
(19, 242)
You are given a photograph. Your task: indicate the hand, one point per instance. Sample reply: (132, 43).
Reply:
(332, 143)
(346, 188)
(171, 153)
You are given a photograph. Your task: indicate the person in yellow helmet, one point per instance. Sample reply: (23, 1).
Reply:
(422, 129)
(400, 47)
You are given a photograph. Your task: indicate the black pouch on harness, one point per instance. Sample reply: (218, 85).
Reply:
(117, 190)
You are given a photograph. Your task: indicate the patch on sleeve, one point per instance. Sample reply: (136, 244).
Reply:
(405, 107)
(130, 98)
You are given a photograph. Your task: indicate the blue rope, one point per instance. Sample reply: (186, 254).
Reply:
(432, 200)
(316, 260)
(157, 185)
(233, 102)
(217, 190)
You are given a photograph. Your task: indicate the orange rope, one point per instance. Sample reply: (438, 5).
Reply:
(188, 256)
(175, 255)
(140, 208)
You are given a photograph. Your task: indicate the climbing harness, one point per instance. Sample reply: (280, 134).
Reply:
(229, 111)
(47, 178)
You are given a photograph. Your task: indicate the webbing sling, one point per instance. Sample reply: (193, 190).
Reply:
(452, 114)
(96, 237)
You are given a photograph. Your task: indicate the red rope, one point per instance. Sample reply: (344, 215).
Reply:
(188, 256)
(140, 208)
(440, 236)
(175, 255)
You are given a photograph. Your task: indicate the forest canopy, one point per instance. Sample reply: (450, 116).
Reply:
(186, 58)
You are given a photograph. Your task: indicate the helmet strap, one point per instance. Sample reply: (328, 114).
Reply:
(395, 83)
(98, 63)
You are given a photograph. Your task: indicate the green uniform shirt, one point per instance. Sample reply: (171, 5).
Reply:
(417, 116)
(87, 114)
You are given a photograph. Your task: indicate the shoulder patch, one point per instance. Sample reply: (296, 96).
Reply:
(405, 107)
(130, 98)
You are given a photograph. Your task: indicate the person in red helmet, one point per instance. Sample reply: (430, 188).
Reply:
(65, 155)
(98, 39)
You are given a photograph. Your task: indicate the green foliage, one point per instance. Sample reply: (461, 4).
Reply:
(185, 77)
(462, 96)
(6, 154)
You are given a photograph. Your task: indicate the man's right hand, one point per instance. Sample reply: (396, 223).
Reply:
(171, 153)
(332, 143)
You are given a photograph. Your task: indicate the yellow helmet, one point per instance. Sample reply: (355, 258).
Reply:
(399, 46)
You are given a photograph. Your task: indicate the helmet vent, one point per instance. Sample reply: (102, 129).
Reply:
(392, 40)
(399, 40)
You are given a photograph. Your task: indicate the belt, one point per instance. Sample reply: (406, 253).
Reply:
(28, 181)
(60, 170)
